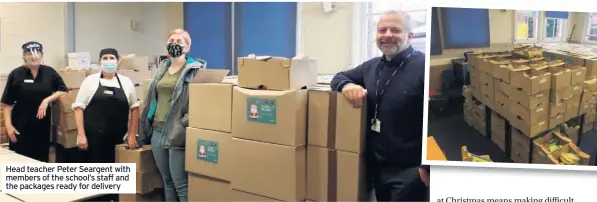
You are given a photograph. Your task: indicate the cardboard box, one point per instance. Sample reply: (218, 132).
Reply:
(142, 157)
(203, 188)
(155, 195)
(335, 175)
(210, 106)
(68, 139)
(501, 69)
(498, 124)
(147, 182)
(498, 130)
(72, 78)
(278, 117)
(502, 104)
(520, 146)
(570, 148)
(572, 107)
(276, 73)
(588, 98)
(136, 76)
(578, 74)
(591, 65)
(468, 116)
(282, 166)
(529, 101)
(138, 63)
(207, 153)
(334, 123)
(557, 113)
(523, 79)
(499, 140)
(586, 107)
(540, 150)
(484, 64)
(590, 85)
(532, 115)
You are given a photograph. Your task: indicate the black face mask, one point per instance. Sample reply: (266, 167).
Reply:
(175, 50)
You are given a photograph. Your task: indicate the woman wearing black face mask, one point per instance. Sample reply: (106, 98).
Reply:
(163, 123)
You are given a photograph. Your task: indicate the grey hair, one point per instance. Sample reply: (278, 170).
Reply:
(408, 24)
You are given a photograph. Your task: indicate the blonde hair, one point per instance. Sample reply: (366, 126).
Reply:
(185, 35)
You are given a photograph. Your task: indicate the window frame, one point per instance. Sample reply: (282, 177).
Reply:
(538, 35)
(362, 45)
(585, 36)
(563, 29)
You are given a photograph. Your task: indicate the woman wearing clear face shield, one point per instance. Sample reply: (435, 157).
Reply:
(163, 123)
(29, 90)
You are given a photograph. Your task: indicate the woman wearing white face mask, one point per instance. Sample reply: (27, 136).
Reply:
(102, 109)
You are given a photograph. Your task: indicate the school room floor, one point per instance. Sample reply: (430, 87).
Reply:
(451, 133)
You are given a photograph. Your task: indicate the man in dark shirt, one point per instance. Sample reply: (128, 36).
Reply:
(393, 86)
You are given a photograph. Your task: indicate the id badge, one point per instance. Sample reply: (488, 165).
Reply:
(376, 125)
(108, 92)
(28, 80)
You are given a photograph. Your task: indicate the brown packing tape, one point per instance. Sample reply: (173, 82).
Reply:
(332, 175)
(331, 143)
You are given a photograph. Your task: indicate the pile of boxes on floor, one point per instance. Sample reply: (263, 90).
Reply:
(136, 68)
(541, 99)
(149, 181)
(248, 142)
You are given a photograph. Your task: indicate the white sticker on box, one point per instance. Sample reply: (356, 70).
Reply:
(539, 109)
(543, 80)
(539, 95)
(541, 123)
(578, 73)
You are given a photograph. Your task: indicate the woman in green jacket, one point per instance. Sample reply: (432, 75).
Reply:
(163, 123)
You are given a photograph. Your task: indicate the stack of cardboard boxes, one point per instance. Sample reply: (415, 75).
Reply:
(149, 180)
(251, 132)
(63, 115)
(247, 140)
(473, 109)
(137, 69)
(335, 170)
(534, 95)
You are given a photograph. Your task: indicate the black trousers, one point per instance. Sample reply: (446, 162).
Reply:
(33, 140)
(395, 183)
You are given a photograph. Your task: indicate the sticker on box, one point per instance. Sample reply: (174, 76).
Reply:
(261, 110)
(207, 151)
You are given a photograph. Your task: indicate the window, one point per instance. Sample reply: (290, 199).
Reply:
(371, 13)
(591, 28)
(554, 29)
(526, 26)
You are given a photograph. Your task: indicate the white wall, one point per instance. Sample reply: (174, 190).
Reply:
(108, 25)
(326, 37)
(23, 22)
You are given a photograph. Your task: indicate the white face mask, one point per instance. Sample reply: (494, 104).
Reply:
(109, 66)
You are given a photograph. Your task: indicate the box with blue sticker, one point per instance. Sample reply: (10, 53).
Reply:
(207, 153)
(278, 117)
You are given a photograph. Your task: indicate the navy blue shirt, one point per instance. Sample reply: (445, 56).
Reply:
(400, 107)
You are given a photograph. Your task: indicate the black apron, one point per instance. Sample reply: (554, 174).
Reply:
(106, 120)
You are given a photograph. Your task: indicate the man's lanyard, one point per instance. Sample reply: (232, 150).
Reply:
(379, 92)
